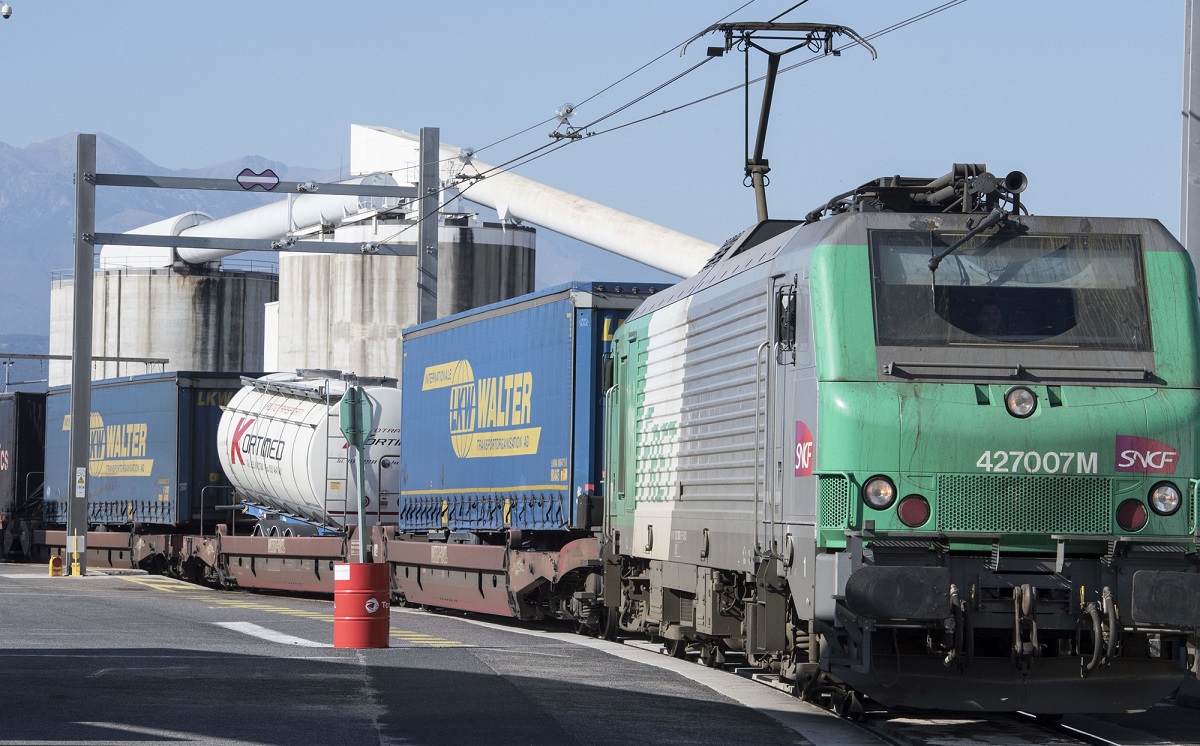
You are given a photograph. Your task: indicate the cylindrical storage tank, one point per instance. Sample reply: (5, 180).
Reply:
(282, 447)
(482, 264)
(198, 320)
(346, 312)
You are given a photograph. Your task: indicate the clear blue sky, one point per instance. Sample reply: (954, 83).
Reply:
(1083, 95)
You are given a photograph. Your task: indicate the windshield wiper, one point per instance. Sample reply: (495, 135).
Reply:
(995, 216)
(895, 368)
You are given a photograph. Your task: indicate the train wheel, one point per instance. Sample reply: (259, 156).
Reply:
(610, 623)
(676, 648)
(846, 704)
(712, 655)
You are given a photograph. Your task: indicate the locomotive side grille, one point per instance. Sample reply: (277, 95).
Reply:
(834, 509)
(1191, 502)
(687, 611)
(1019, 504)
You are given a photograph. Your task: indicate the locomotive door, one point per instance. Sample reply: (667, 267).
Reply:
(788, 445)
(776, 359)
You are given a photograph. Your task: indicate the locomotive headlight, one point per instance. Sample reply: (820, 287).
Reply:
(879, 492)
(1020, 401)
(1165, 498)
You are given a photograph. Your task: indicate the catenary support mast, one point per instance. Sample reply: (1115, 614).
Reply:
(1189, 219)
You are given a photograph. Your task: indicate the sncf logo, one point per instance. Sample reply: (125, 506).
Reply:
(806, 450)
(1145, 456)
(235, 453)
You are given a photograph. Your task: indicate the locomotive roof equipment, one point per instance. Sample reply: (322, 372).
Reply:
(816, 37)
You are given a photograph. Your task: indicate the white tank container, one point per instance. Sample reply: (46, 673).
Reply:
(282, 447)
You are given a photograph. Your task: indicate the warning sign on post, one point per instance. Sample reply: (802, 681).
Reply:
(80, 482)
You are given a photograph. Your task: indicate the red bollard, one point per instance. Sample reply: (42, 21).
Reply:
(361, 606)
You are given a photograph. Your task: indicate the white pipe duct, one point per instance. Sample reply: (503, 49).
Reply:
(279, 219)
(127, 257)
(512, 196)
(516, 197)
(271, 221)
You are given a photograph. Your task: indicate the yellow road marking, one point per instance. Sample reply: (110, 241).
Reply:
(187, 591)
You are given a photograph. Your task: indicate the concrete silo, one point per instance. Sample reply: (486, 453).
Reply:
(147, 305)
(346, 312)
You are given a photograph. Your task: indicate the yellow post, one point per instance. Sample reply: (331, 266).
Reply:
(75, 557)
(56, 566)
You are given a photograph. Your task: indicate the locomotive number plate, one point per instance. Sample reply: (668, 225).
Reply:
(1033, 462)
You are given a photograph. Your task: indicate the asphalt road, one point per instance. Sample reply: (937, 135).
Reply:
(135, 659)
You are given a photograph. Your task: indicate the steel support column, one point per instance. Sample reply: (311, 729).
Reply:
(81, 352)
(427, 230)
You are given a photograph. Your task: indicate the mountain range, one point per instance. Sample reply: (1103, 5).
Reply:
(37, 213)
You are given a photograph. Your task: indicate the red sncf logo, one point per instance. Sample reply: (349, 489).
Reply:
(235, 453)
(1145, 456)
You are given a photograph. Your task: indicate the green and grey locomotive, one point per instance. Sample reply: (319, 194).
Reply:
(921, 446)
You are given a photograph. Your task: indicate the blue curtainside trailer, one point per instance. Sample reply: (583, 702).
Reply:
(506, 404)
(152, 450)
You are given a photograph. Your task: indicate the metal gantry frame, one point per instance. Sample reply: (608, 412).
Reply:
(424, 196)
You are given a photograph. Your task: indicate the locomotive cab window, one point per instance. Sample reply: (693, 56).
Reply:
(1072, 291)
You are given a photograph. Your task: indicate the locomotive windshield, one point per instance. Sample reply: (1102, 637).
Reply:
(1062, 290)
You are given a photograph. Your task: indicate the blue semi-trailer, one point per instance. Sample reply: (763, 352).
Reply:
(501, 461)
(152, 451)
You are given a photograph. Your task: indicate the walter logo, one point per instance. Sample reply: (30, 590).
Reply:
(489, 415)
(806, 450)
(1145, 456)
(116, 450)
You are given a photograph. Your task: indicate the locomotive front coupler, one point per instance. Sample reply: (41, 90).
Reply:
(1105, 633)
(1025, 631)
(956, 632)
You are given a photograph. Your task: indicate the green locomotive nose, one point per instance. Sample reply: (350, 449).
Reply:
(1018, 391)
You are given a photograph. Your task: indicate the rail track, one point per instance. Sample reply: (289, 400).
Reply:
(915, 728)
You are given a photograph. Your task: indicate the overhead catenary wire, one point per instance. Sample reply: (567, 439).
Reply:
(622, 79)
(784, 13)
(546, 149)
(868, 37)
(550, 147)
